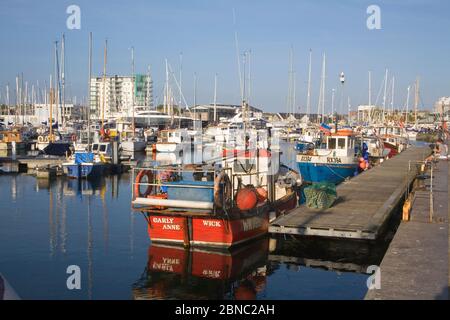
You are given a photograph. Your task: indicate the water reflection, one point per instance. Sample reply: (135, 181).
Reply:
(175, 273)
(293, 265)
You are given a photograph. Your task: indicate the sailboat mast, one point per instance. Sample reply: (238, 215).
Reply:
(56, 83)
(148, 101)
(88, 107)
(416, 102)
(63, 112)
(323, 90)
(332, 102)
(215, 98)
(105, 55)
(181, 79)
(133, 80)
(308, 97)
(7, 99)
(407, 107)
(51, 95)
(385, 93)
(392, 95)
(17, 101)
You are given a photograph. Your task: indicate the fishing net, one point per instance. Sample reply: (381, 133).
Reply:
(320, 195)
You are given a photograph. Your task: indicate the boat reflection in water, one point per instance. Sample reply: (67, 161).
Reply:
(176, 273)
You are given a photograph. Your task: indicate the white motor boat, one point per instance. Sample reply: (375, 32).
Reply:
(173, 140)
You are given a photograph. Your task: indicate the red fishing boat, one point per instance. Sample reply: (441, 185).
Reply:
(215, 205)
(394, 138)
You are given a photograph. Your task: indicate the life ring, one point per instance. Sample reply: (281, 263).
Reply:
(137, 182)
(40, 139)
(222, 199)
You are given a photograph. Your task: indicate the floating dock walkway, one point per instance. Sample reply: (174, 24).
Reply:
(364, 205)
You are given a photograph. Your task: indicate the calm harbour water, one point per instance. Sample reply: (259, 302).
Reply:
(45, 227)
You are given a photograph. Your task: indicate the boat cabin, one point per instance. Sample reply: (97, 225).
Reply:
(174, 136)
(338, 145)
(102, 148)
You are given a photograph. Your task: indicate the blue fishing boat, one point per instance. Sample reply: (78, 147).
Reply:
(84, 165)
(334, 162)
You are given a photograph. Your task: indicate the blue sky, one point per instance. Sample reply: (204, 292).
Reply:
(413, 42)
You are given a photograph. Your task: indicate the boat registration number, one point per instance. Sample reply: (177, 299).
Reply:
(305, 159)
(334, 160)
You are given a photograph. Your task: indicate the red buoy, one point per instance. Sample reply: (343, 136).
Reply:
(246, 198)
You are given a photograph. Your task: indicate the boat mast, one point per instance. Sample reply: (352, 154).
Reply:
(416, 102)
(56, 83)
(308, 97)
(385, 93)
(249, 85)
(88, 107)
(392, 95)
(7, 99)
(51, 95)
(105, 55)
(323, 91)
(319, 105)
(63, 112)
(370, 88)
(332, 102)
(215, 98)
(407, 107)
(17, 101)
(133, 80)
(148, 101)
(181, 79)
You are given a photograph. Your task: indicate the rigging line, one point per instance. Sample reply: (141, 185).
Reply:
(237, 55)
(178, 86)
(379, 92)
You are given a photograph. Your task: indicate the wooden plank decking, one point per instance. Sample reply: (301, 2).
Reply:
(364, 205)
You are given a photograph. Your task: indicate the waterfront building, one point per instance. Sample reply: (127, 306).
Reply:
(117, 95)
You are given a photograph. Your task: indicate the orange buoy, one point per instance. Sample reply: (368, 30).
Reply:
(261, 193)
(138, 181)
(246, 198)
(362, 165)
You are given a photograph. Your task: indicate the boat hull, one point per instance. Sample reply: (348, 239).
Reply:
(84, 170)
(72, 171)
(133, 146)
(220, 232)
(168, 147)
(332, 173)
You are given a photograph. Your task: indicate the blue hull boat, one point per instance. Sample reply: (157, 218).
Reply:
(84, 167)
(334, 163)
(332, 173)
(92, 170)
(73, 171)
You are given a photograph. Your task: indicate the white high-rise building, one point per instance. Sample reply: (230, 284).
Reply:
(114, 95)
